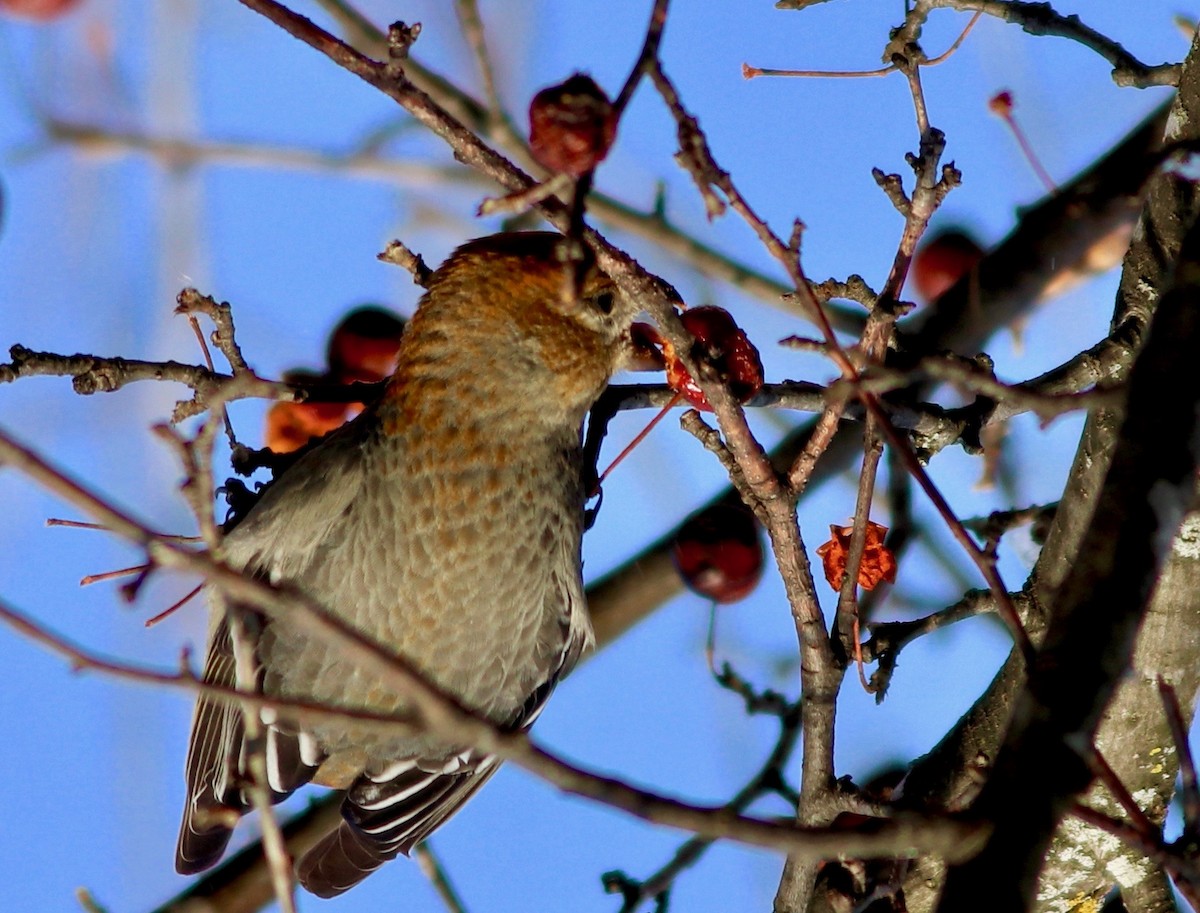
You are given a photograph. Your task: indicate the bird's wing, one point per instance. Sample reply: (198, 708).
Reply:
(278, 539)
(282, 533)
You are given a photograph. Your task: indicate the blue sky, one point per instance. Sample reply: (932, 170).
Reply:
(94, 246)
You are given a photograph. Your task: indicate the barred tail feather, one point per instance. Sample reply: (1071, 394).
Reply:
(382, 820)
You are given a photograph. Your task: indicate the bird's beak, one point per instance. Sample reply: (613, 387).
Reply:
(642, 350)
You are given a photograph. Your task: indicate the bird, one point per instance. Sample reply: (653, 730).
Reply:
(444, 523)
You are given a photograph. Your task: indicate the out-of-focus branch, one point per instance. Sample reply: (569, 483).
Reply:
(1053, 237)
(372, 165)
(93, 139)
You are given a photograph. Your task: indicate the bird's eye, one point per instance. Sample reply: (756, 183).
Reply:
(604, 302)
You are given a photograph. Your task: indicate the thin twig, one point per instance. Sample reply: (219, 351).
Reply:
(82, 524)
(750, 72)
(399, 253)
(647, 58)
(472, 29)
(1188, 790)
(89, 579)
(433, 869)
(174, 607)
(846, 617)
(88, 902)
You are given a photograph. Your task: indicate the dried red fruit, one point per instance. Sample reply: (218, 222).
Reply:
(878, 562)
(43, 10)
(1001, 104)
(571, 126)
(292, 425)
(364, 344)
(942, 261)
(723, 344)
(286, 431)
(718, 553)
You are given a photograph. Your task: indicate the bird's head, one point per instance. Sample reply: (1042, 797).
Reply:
(519, 322)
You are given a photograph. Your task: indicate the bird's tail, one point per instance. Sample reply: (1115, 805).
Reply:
(382, 820)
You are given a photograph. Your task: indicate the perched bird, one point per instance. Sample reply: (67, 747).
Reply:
(444, 523)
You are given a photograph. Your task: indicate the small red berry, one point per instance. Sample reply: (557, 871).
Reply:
(285, 431)
(942, 261)
(364, 344)
(292, 425)
(571, 126)
(723, 344)
(718, 553)
(1001, 104)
